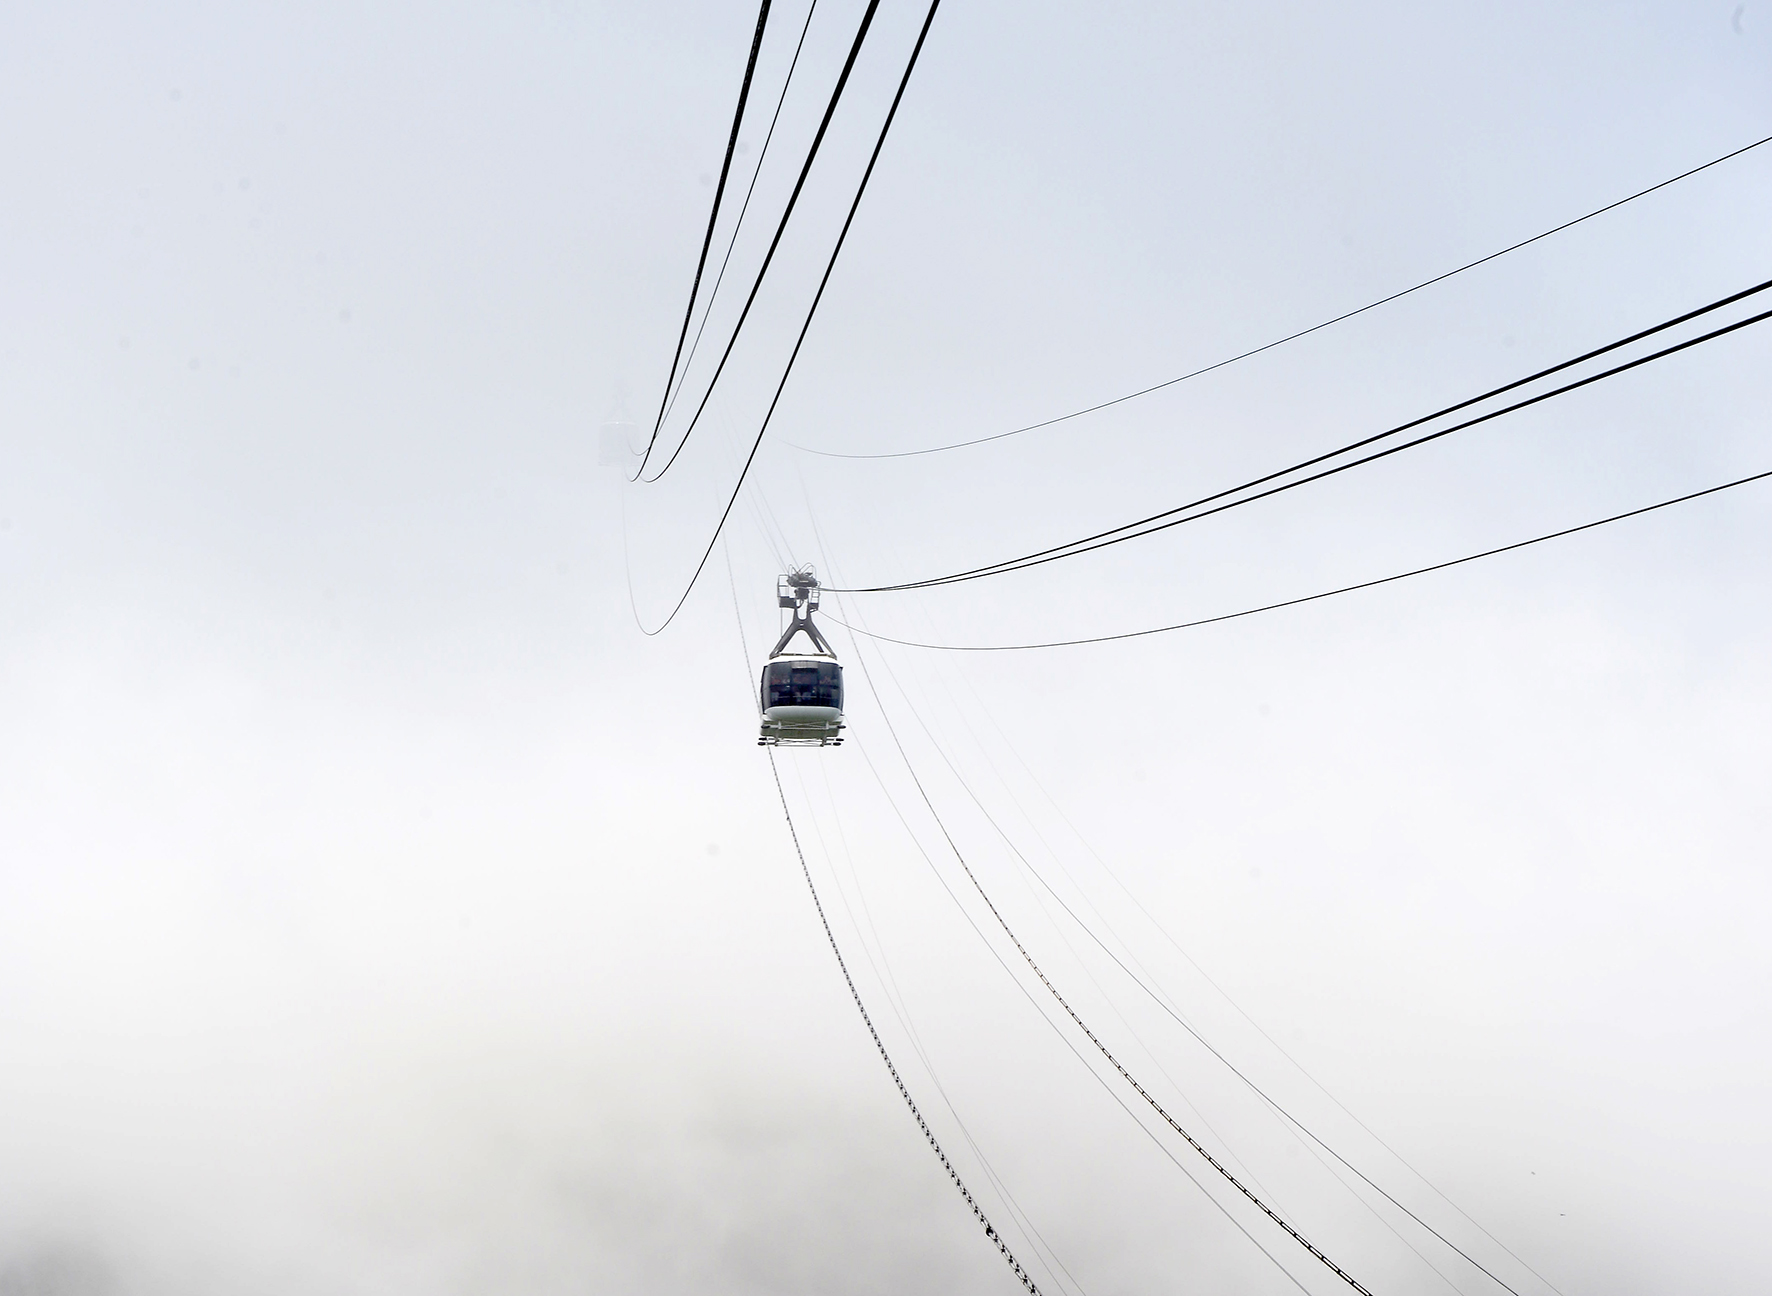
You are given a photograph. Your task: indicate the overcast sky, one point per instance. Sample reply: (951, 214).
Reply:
(382, 912)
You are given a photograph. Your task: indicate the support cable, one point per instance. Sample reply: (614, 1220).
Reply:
(744, 93)
(1323, 594)
(1172, 1012)
(1305, 332)
(990, 1231)
(830, 111)
(895, 1000)
(800, 183)
(1081, 1025)
(1162, 1002)
(849, 220)
(1131, 530)
(1219, 989)
(744, 207)
(1064, 1039)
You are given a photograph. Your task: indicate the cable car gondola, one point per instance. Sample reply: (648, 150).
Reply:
(801, 696)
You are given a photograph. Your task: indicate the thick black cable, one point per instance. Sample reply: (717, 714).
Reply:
(743, 209)
(1312, 598)
(824, 281)
(744, 93)
(1130, 530)
(1293, 337)
(861, 33)
(990, 1231)
(1149, 1098)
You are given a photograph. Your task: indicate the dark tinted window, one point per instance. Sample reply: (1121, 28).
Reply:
(803, 684)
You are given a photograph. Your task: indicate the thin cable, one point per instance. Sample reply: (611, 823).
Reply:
(1170, 1009)
(756, 445)
(901, 1007)
(841, 236)
(744, 93)
(1071, 1012)
(1312, 598)
(895, 1001)
(861, 33)
(1293, 337)
(990, 1231)
(1064, 1039)
(744, 207)
(1130, 1029)
(743, 646)
(1225, 994)
(1167, 1004)
(1163, 1003)
(1130, 530)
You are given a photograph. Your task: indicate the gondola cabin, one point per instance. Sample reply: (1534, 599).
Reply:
(801, 694)
(802, 701)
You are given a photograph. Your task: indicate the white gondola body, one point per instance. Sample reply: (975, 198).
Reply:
(801, 699)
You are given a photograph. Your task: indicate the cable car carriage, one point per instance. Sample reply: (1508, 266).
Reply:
(802, 692)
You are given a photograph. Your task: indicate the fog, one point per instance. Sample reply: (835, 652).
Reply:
(381, 911)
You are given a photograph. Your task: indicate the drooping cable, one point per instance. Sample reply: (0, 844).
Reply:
(744, 93)
(1163, 1003)
(743, 209)
(990, 1231)
(1065, 1040)
(861, 33)
(1168, 518)
(1305, 332)
(1322, 594)
(882, 970)
(1149, 1054)
(1168, 1007)
(1219, 989)
(848, 221)
(1126, 1075)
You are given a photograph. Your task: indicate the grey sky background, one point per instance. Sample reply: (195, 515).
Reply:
(382, 912)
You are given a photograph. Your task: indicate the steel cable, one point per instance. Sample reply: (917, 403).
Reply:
(744, 93)
(1167, 1003)
(1126, 1075)
(1064, 1039)
(1015, 1266)
(1167, 518)
(744, 207)
(1305, 332)
(1323, 594)
(861, 32)
(1162, 1002)
(824, 281)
